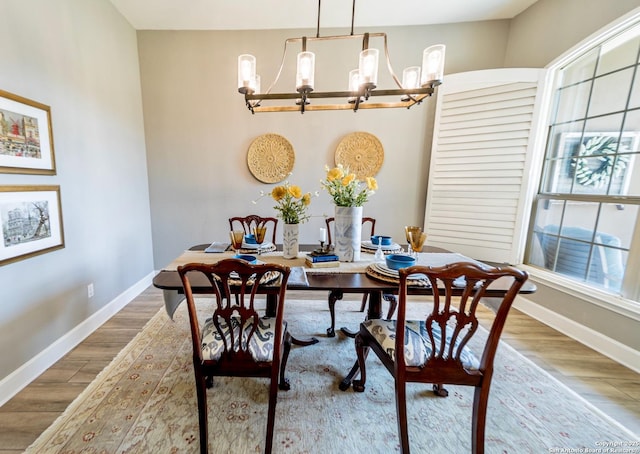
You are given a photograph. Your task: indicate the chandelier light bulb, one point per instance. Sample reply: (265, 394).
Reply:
(305, 71)
(354, 80)
(411, 77)
(354, 84)
(246, 72)
(369, 67)
(433, 65)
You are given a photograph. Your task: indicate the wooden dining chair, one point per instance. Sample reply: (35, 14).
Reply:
(247, 223)
(435, 349)
(254, 346)
(334, 296)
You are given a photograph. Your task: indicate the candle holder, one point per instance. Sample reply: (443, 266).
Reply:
(323, 249)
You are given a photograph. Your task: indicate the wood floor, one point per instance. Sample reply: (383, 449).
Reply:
(612, 388)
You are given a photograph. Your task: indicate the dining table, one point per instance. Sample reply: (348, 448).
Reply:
(347, 278)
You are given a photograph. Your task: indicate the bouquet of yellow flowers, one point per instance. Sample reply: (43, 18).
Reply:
(346, 189)
(291, 204)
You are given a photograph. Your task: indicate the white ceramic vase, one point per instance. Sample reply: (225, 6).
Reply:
(348, 233)
(290, 243)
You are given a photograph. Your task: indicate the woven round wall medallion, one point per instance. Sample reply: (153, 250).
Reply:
(270, 158)
(362, 153)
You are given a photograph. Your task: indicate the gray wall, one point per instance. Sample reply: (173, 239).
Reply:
(80, 58)
(548, 28)
(198, 129)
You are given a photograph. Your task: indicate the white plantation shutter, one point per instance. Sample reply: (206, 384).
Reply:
(482, 158)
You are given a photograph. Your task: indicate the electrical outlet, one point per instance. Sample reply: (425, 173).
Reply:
(90, 290)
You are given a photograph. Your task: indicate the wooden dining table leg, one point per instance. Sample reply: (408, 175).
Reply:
(375, 311)
(375, 305)
(270, 311)
(334, 295)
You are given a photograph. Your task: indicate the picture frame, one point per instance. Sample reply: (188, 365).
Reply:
(31, 220)
(26, 136)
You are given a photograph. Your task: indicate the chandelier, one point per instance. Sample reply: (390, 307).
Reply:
(418, 82)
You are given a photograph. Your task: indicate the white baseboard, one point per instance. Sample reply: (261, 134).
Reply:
(611, 348)
(25, 374)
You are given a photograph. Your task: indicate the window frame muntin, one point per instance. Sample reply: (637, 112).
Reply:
(625, 303)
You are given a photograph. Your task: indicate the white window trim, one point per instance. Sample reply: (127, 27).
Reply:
(594, 295)
(616, 303)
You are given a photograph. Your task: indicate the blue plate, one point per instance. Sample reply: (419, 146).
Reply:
(247, 258)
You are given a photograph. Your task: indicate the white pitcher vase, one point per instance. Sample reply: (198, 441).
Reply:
(290, 243)
(348, 233)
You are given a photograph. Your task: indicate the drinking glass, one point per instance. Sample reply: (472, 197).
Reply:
(417, 239)
(379, 256)
(407, 231)
(236, 239)
(260, 232)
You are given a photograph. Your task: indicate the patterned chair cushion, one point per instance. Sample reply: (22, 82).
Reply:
(260, 346)
(417, 348)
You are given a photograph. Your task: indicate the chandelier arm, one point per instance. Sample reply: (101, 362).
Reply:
(284, 55)
(393, 74)
(258, 99)
(388, 58)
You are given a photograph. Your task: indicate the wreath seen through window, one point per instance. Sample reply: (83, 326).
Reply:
(598, 161)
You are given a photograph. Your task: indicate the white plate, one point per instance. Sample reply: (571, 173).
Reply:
(265, 245)
(388, 247)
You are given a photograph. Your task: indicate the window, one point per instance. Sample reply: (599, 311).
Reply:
(585, 216)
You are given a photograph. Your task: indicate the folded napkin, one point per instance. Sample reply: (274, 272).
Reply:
(217, 247)
(298, 277)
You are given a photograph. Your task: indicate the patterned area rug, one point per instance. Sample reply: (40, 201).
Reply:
(144, 401)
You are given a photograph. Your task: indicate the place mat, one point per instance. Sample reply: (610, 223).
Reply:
(368, 246)
(272, 257)
(383, 273)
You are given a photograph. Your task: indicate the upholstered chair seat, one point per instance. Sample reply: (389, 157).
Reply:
(260, 344)
(417, 347)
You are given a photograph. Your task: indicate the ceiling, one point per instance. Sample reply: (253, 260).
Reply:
(262, 14)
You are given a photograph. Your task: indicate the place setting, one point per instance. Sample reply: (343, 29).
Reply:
(380, 242)
(389, 261)
(253, 243)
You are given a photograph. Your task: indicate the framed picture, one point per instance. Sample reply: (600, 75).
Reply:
(591, 163)
(31, 219)
(26, 137)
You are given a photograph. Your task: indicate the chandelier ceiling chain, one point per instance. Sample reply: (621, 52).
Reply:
(418, 82)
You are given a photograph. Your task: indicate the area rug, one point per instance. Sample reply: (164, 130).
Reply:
(144, 402)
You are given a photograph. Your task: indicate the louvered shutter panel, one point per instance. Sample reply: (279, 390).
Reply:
(479, 188)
